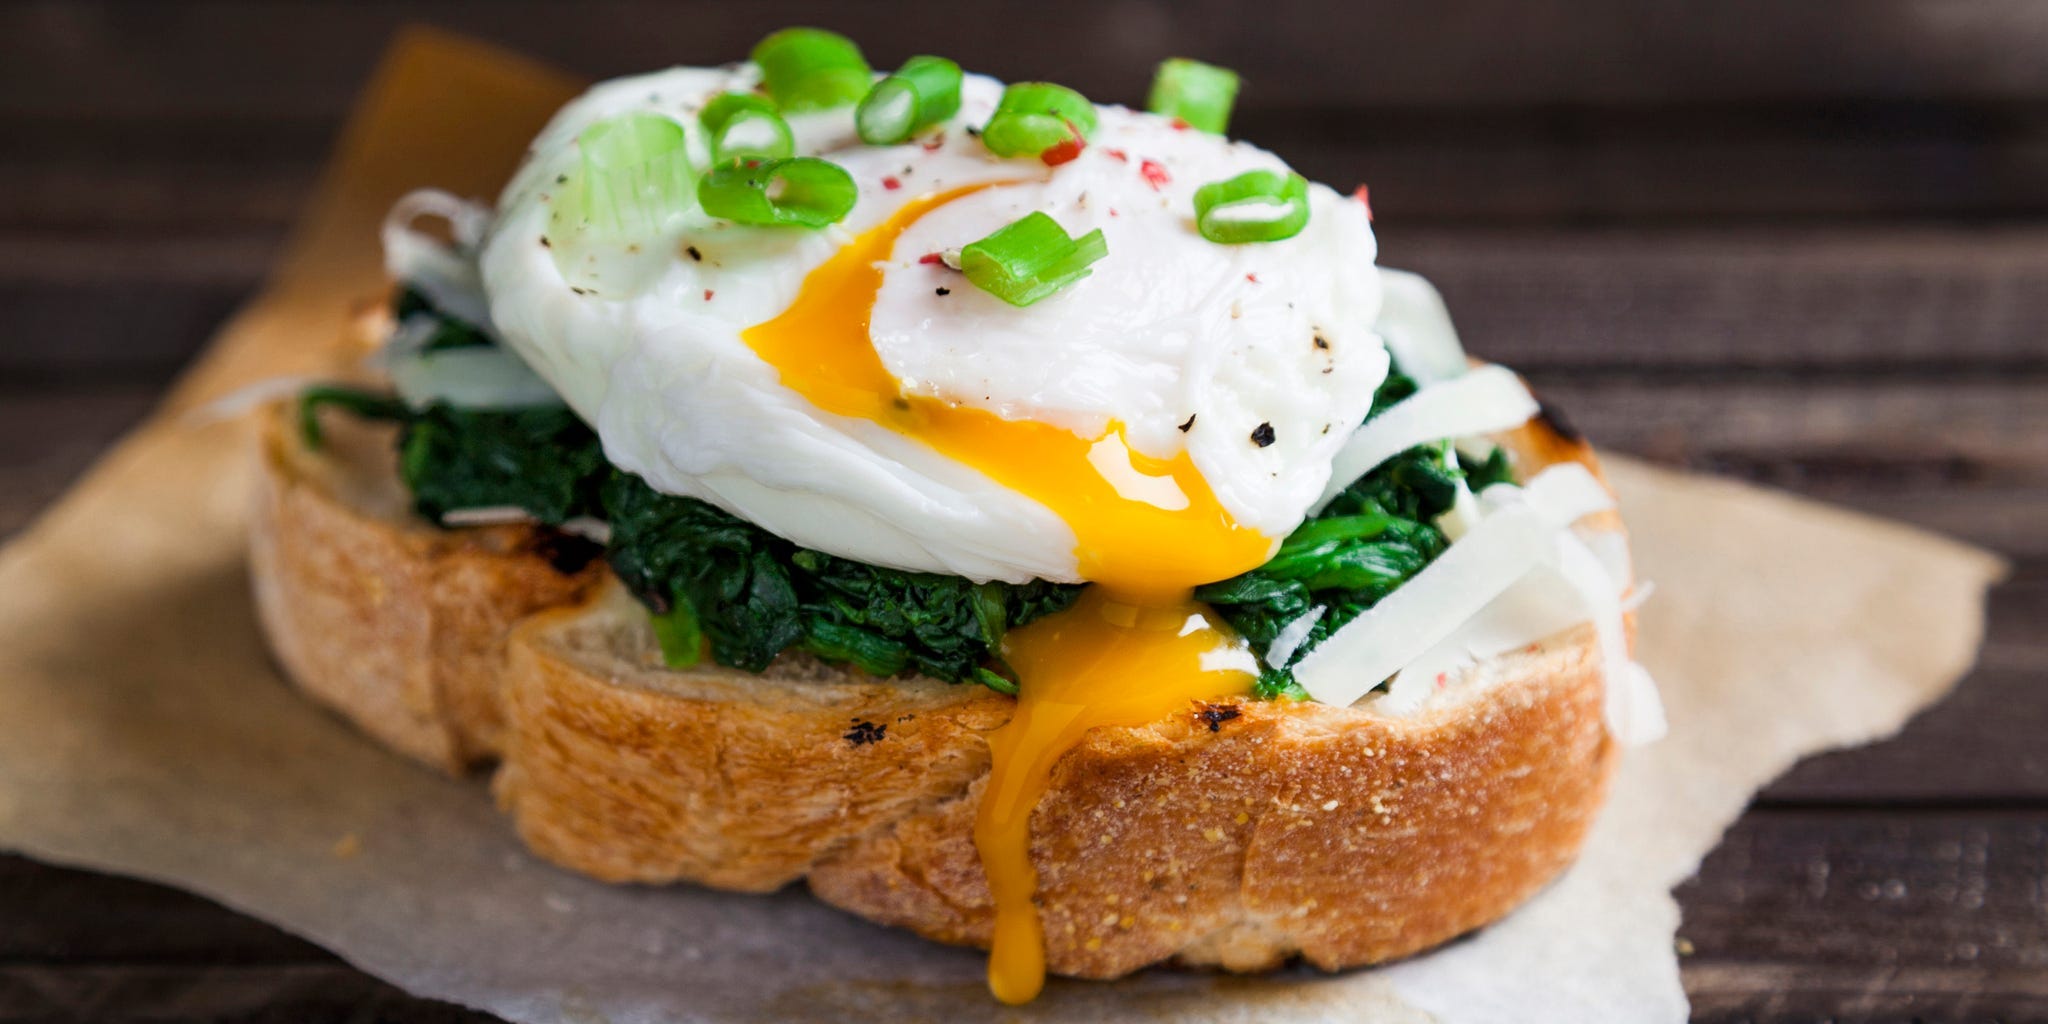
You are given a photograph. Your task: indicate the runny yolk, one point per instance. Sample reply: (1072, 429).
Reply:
(1134, 649)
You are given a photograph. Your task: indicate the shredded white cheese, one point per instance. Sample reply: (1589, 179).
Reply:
(1289, 639)
(448, 276)
(1484, 401)
(1416, 325)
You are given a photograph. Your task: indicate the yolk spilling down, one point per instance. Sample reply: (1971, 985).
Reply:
(1136, 648)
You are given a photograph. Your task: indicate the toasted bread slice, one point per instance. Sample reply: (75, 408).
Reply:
(1235, 835)
(396, 623)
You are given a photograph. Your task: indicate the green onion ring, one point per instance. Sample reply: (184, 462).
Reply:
(1033, 117)
(799, 192)
(1029, 259)
(1256, 206)
(1198, 94)
(636, 173)
(812, 69)
(923, 92)
(742, 126)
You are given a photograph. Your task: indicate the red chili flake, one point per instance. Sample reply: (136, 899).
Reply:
(1154, 174)
(707, 295)
(935, 142)
(1440, 680)
(1117, 155)
(1364, 195)
(892, 183)
(1179, 125)
(932, 257)
(1112, 211)
(1062, 153)
(1253, 278)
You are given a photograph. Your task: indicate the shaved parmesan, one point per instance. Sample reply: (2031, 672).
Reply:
(1634, 713)
(486, 515)
(476, 377)
(1427, 609)
(1486, 400)
(589, 528)
(447, 275)
(1513, 537)
(1416, 326)
(1288, 640)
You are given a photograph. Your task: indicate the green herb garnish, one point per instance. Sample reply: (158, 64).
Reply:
(1030, 258)
(1197, 94)
(811, 69)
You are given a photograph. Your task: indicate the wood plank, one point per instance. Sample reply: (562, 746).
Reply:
(47, 438)
(1522, 165)
(60, 917)
(1878, 890)
(1963, 455)
(1981, 745)
(300, 994)
(1768, 993)
(1930, 300)
(76, 59)
(1919, 297)
(1872, 914)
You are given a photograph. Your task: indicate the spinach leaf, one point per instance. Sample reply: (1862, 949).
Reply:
(447, 332)
(370, 405)
(542, 459)
(751, 595)
(1371, 538)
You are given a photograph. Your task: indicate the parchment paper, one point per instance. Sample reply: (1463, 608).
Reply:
(143, 729)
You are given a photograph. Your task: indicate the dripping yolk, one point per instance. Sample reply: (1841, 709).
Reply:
(1134, 649)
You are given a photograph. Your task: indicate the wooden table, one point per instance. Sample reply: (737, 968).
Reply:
(1798, 243)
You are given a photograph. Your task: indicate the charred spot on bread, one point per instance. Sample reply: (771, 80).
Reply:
(865, 732)
(1216, 714)
(566, 553)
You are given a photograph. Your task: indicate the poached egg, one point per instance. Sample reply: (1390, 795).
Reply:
(1200, 381)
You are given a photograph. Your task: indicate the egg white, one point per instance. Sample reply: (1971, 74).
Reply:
(1169, 327)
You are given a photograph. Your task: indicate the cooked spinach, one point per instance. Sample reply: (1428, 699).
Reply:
(446, 332)
(720, 584)
(720, 587)
(542, 459)
(1368, 541)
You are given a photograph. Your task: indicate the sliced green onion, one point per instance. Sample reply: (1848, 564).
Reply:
(801, 192)
(1197, 93)
(1256, 206)
(1033, 117)
(812, 69)
(743, 126)
(636, 173)
(679, 632)
(923, 92)
(1030, 259)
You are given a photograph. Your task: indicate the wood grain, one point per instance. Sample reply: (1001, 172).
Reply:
(1800, 914)
(1803, 244)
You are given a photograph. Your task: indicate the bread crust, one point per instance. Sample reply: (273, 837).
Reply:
(1235, 835)
(396, 624)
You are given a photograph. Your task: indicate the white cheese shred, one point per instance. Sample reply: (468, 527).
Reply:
(486, 515)
(1496, 589)
(448, 275)
(1416, 325)
(1289, 639)
(1484, 401)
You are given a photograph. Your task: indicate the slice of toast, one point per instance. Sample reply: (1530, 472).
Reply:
(1235, 834)
(397, 624)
